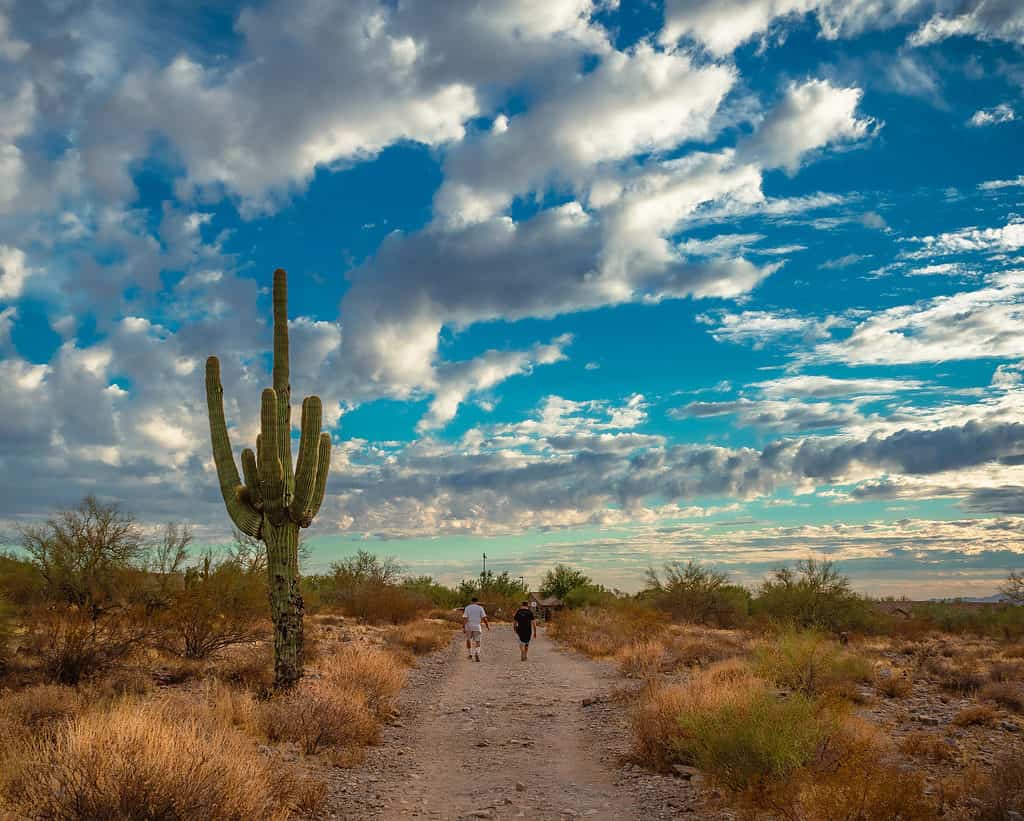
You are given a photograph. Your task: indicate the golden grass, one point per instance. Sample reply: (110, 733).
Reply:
(893, 683)
(148, 761)
(975, 715)
(931, 747)
(603, 633)
(375, 673)
(421, 637)
(642, 659)
(36, 709)
(318, 717)
(1004, 693)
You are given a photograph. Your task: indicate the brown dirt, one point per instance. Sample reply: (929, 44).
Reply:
(506, 739)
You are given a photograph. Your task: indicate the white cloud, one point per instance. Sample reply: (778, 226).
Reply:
(14, 272)
(638, 101)
(995, 185)
(966, 240)
(811, 115)
(1002, 113)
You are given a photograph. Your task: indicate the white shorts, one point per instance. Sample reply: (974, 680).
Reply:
(474, 636)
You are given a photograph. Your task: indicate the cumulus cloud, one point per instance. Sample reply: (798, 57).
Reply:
(13, 272)
(722, 27)
(1002, 113)
(810, 115)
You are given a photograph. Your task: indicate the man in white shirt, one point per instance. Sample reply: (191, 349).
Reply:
(473, 619)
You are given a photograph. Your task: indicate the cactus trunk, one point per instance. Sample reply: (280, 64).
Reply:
(278, 497)
(286, 606)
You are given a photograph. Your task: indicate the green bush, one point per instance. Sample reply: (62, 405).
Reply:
(699, 594)
(810, 663)
(752, 737)
(813, 595)
(1002, 621)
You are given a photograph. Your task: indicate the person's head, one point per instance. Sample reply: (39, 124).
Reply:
(525, 604)
(474, 599)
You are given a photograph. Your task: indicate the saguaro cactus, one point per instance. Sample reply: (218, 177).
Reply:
(276, 499)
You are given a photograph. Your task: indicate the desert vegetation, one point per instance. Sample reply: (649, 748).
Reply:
(137, 675)
(800, 699)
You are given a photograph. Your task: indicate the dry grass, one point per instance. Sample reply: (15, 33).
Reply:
(893, 683)
(729, 723)
(974, 716)
(856, 779)
(375, 673)
(1004, 693)
(251, 667)
(962, 678)
(319, 717)
(642, 659)
(929, 747)
(147, 761)
(603, 633)
(994, 793)
(420, 637)
(1006, 671)
(36, 710)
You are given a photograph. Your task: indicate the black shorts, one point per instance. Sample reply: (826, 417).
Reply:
(524, 638)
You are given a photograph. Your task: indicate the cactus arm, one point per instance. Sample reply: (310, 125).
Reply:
(323, 467)
(281, 380)
(306, 468)
(252, 478)
(244, 517)
(270, 468)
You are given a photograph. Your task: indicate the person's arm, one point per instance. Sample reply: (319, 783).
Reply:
(533, 621)
(484, 620)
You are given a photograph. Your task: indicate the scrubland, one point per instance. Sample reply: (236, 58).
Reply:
(135, 684)
(814, 703)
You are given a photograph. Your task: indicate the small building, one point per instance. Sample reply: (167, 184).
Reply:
(545, 606)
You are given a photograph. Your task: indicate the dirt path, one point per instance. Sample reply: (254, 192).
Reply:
(506, 739)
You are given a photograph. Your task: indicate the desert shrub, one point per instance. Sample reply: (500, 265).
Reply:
(433, 591)
(6, 632)
(929, 747)
(1002, 621)
(142, 761)
(130, 681)
(962, 679)
(976, 714)
(603, 632)
(420, 636)
(699, 594)
(734, 728)
(1014, 651)
(319, 717)
(250, 667)
(641, 659)
(36, 710)
(814, 595)
(995, 793)
(73, 642)
(1005, 694)
(744, 736)
(855, 779)
(1006, 671)
(893, 683)
(561, 580)
(370, 589)
(21, 584)
(810, 664)
(375, 673)
(221, 604)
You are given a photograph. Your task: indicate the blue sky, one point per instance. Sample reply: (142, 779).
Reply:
(606, 283)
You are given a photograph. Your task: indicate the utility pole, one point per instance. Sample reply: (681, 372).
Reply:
(485, 565)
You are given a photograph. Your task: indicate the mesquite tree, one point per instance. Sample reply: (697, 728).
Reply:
(275, 499)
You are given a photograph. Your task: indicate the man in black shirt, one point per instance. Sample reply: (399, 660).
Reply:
(525, 626)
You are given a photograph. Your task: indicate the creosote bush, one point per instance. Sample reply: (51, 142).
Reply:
(733, 726)
(810, 663)
(141, 761)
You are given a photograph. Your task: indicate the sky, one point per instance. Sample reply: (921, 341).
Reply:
(606, 283)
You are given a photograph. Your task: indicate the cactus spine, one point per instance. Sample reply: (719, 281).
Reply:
(275, 499)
